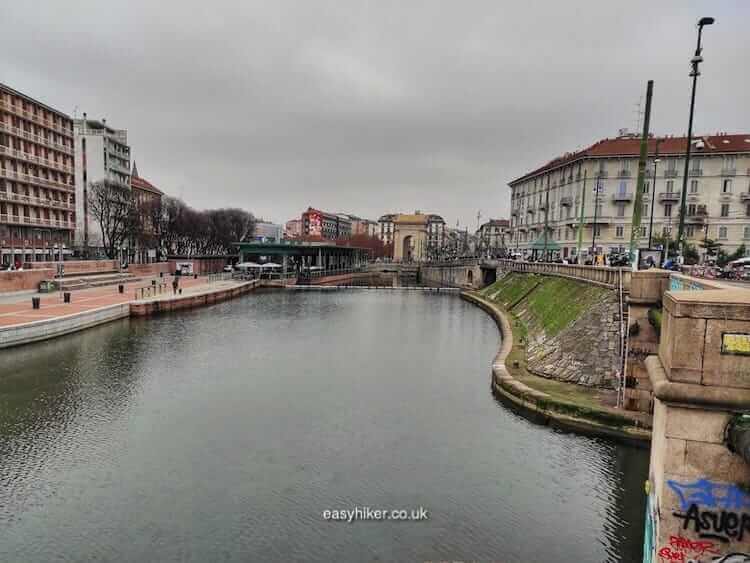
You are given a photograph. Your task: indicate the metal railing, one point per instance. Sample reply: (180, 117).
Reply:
(39, 201)
(150, 290)
(29, 136)
(37, 222)
(35, 180)
(624, 344)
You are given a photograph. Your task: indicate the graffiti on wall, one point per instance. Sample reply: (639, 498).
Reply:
(711, 516)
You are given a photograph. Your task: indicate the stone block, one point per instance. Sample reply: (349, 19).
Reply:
(714, 462)
(681, 347)
(696, 425)
(725, 369)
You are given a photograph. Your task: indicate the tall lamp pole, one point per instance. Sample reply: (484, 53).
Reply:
(695, 61)
(653, 197)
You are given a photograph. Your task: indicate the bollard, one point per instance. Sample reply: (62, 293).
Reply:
(35, 302)
(121, 288)
(195, 276)
(180, 291)
(153, 282)
(66, 297)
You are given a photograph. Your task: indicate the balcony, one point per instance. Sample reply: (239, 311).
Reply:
(31, 116)
(622, 197)
(729, 172)
(27, 135)
(514, 213)
(696, 218)
(37, 201)
(566, 201)
(745, 197)
(696, 172)
(28, 157)
(669, 196)
(670, 173)
(623, 174)
(34, 180)
(36, 222)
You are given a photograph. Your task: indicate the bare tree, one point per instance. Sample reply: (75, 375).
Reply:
(111, 205)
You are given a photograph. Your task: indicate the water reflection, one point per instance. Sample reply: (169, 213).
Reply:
(223, 433)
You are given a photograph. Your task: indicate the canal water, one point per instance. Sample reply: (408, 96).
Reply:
(223, 434)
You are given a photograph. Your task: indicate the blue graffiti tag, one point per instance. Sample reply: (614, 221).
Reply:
(706, 493)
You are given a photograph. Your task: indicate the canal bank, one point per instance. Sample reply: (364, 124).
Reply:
(564, 405)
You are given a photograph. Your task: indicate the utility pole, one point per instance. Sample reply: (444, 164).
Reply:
(546, 218)
(580, 222)
(635, 231)
(596, 214)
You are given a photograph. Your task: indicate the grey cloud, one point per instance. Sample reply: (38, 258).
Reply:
(369, 107)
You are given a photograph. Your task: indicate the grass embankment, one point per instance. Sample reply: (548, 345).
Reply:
(551, 304)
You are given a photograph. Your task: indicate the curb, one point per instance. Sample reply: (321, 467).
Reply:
(538, 405)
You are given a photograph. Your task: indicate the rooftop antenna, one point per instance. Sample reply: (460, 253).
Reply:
(638, 113)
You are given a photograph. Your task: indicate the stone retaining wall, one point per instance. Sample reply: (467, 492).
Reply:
(51, 328)
(146, 308)
(77, 266)
(19, 280)
(465, 276)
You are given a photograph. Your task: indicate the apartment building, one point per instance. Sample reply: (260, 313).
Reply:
(595, 188)
(102, 154)
(331, 226)
(37, 182)
(147, 199)
(385, 232)
(493, 235)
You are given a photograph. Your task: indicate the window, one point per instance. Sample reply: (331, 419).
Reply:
(730, 162)
(722, 233)
(645, 209)
(691, 209)
(598, 230)
(602, 166)
(621, 210)
(746, 232)
(622, 189)
(693, 186)
(690, 231)
(696, 164)
(726, 186)
(747, 210)
(672, 164)
(646, 187)
(643, 231)
(619, 231)
(725, 210)
(668, 210)
(670, 186)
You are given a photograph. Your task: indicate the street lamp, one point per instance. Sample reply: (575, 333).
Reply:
(695, 72)
(653, 199)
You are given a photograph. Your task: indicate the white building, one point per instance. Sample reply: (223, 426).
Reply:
(101, 154)
(717, 199)
(268, 232)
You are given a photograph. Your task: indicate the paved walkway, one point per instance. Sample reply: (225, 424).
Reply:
(17, 309)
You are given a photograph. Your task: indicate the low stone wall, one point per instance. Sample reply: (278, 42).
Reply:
(152, 269)
(51, 328)
(465, 276)
(20, 280)
(77, 266)
(146, 308)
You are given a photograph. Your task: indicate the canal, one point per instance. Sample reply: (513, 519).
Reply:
(223, 434)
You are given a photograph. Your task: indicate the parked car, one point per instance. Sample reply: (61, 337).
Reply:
(228, 268)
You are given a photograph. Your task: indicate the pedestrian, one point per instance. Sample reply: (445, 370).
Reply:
(175, 284)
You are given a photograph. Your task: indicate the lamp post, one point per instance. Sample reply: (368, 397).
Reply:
(695, 61)
(653, 198)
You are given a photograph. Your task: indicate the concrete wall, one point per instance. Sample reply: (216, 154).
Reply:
(201, 266)
(73, 267)
(152, 269)
(51, 328)
(23, 280)
(467, 276)
(145, 308)
(698, 503)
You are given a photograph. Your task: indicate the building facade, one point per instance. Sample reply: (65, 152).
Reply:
(385, 228)
(491, 237)
(147, 199)
(330, 226)
(102, 154)
(592, 192)
(267, 232)
(417, 237)
(293, 229)
(37, 180)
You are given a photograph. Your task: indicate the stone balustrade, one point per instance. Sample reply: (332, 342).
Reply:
(600, 275)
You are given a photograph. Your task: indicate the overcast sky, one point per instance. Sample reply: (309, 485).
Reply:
(371, 107)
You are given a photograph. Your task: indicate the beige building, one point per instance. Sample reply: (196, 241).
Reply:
(717, 201)
(417, 237)
(37, 185)
(493, 236)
